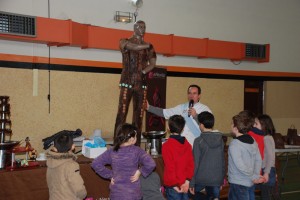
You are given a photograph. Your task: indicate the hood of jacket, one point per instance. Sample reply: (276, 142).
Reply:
(179, 144)
(179, 138)
(248, 143)
(247, 139)
(212, 139)
(55, 159)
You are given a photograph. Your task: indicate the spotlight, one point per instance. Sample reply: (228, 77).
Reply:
(125, 17)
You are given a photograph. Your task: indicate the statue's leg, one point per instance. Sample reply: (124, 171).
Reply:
(139, 99)
(124, 100)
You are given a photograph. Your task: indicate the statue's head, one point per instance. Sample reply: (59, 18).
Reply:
(139, 28)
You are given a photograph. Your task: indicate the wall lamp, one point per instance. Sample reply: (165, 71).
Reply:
(125, 17)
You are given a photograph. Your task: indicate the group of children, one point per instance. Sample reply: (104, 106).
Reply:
(251, 159)
(188, 169)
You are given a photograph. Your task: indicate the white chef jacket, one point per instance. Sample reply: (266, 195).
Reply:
(182, 110)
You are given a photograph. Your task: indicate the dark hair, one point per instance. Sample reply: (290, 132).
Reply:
(63, 143)
(249, 115)
(176, 124)
(196, 86)
(207, 119)
(242, 123)
(267, 125)
(124, 133)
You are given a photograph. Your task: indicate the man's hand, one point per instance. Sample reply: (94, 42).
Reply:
(192, 112)
(136, 176)
(146, 105)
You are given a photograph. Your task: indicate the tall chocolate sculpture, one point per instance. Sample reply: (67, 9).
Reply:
(5, 130)
(139, 58)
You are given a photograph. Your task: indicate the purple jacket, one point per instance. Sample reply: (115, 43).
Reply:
(124, 164)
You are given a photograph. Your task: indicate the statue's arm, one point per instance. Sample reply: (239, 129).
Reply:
(127, 45)
(152, 64)
(137, 47)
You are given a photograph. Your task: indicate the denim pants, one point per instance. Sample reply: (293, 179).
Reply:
(252, 192)
(198, 195)
(238, 192)
(212, 192)
(174, 195)
(268, 188)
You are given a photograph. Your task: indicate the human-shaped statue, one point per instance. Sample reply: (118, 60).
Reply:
(138, 58)
(27, 144)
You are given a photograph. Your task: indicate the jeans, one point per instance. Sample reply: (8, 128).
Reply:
(252, 192)
(174, 195)
(212, 192)
(238, 192)
(268, 189)
(198, 195)
(266, 192)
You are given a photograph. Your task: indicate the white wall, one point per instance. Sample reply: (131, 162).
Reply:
(256, 21)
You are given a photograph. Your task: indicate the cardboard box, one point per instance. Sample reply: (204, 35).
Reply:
(83, 147)
(94, 152)
(91, 152)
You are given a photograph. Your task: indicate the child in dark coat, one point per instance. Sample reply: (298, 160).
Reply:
(208, 150)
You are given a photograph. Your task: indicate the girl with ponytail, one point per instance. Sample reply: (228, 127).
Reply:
(124, 134)
(127, 163)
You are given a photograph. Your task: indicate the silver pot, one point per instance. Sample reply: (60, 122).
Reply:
(154, 142)
(5, 152)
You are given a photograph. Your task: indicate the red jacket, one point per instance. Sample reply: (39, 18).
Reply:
(178, 161)
(259, 139)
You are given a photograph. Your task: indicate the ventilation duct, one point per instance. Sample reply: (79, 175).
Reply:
(16, 24)
(255, 51)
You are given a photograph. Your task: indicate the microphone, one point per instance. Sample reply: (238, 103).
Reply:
(191, 104)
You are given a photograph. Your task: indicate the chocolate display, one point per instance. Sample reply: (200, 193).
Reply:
(5, 130)
(139, 58)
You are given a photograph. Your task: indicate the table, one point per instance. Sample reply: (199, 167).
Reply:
(31, 183)
(288, 150)
(109, 143)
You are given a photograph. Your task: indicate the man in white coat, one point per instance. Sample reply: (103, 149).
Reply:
(188, 110)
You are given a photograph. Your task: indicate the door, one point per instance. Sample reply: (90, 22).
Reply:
(254, 96)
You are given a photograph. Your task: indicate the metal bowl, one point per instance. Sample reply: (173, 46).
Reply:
(154, 134)
(8, 145)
